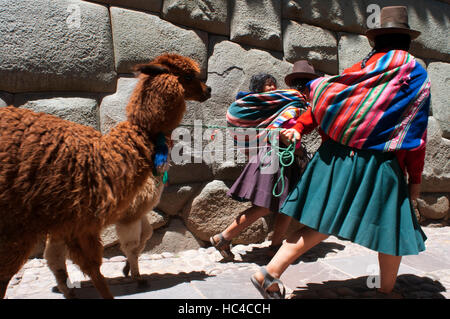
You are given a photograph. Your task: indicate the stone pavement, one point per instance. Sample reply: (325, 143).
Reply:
(333, 269)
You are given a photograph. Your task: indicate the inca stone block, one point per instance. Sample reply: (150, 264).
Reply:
(140, 37)
(257, 23)
(76, 109)
(175, 237)
(319, 46)
(212, 211)
(433, 206)
(175, 197)
(338, 15)
(230, 68)
(436, 173)
(207, 15)
(147, 5)
(352, 48)
(352, 16)
(439, 73)
(55, 46)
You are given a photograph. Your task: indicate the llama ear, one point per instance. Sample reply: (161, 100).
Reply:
(151, 69)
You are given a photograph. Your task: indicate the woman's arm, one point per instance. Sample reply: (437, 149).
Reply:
(305, 125)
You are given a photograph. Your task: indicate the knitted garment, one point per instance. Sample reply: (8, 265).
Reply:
(383, 107)
(262, 110)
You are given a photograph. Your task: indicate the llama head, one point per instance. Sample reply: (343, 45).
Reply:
(158, 102)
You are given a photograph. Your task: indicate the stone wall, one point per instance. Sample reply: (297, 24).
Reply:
(74, 59)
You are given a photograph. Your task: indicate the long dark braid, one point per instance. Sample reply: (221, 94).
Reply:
(363, 62)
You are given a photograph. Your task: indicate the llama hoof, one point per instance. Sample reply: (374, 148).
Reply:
(126, 269)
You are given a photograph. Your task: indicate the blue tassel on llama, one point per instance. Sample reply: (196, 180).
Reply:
(161, 156)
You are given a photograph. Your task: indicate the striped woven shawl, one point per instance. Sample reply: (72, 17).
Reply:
(382, 107)
(262, 110)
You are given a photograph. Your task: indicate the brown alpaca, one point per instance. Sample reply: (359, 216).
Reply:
(133, 231)
(69, 181)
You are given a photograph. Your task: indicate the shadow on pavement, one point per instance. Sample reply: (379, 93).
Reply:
(259, 255)
(123, 286)
(408, 286)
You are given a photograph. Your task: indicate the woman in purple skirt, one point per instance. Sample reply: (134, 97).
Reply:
(269, 108)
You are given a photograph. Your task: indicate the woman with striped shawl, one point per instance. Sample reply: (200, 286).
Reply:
(373, 121)
(272, 109)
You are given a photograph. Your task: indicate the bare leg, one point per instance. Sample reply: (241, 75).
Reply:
(389, 266)
(55, 254)
(282, 222)
(244, 220)
(296, 245)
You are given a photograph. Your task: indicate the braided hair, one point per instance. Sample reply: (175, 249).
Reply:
(395, 41)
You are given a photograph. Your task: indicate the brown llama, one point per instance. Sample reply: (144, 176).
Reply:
(134, 230)
(69, 181)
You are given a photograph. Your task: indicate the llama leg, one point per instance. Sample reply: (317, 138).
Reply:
(87, 251)
(12, 257)
(55, 254)
(130, 237)
(146, 234)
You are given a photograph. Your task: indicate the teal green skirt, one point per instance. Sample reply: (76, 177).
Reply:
(357, 195)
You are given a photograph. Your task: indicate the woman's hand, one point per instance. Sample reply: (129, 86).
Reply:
(287, 136)
(414, 191)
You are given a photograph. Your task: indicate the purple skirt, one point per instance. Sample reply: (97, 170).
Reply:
(256, 183)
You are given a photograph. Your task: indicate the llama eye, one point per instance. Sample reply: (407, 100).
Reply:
(188, 77)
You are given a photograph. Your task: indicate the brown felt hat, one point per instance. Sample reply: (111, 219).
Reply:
(302, 69)
(393, 20)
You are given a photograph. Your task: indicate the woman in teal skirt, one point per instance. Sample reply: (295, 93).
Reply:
(373, 121)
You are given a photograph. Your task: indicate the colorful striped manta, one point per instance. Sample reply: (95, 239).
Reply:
(382, 107)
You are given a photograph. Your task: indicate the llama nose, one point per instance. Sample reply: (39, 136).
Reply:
(209, 89)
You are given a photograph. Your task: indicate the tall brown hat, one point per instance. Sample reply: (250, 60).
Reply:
(393, 20)
(302, 69)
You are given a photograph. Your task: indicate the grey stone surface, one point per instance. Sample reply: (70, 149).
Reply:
(174, 237)
(189, 172)
(319, 46)
(439, 73)
(207, 15)
(230, 68)
(76, 109)
(351, 16)
(212, 211)
(147, 5)
(112, 107)
(436, 173)
(352, 48)
(175, 197)
(433, 206)
(6, 99)
(55, 46)
(140, 37)
(338, 15)
(257, 23)
(157, 219)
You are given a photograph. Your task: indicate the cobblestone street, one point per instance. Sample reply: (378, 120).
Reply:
(333, 269)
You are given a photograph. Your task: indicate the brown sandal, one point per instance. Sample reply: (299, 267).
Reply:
(223, 245)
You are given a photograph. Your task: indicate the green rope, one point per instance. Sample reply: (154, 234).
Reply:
(285, 155)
